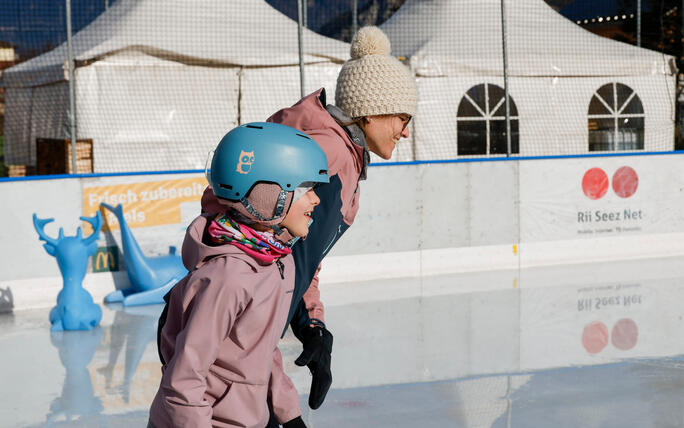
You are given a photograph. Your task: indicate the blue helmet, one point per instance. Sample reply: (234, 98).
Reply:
(262, 152)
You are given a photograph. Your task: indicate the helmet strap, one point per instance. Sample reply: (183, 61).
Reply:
(284, 235)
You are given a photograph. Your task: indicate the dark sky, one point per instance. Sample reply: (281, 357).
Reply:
(583, 9)
(33, 25)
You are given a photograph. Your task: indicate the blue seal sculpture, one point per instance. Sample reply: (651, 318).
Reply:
(151, 277)
(75, 308)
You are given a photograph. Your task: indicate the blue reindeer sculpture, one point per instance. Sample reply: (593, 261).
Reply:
(75, 308)
(151, 277)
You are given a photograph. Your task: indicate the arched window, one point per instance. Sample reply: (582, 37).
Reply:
(481, 122)
(615, 119)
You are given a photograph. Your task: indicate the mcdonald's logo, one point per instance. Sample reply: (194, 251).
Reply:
(106, 259)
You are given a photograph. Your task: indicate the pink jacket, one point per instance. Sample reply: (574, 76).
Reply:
(220, 339)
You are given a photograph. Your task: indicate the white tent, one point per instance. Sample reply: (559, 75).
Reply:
(158, 82)
(555, 68)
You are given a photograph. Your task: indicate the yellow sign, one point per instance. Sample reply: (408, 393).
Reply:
(150, 203)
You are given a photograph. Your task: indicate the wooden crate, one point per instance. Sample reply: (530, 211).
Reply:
(19, 170)
(53, 156)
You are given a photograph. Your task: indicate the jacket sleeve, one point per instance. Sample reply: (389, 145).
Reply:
(312, 299)
(216, 306)
(282, 392)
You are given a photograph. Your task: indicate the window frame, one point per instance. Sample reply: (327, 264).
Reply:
(615, 115)
(488, 116)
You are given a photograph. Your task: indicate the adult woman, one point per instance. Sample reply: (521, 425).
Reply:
(375, 99)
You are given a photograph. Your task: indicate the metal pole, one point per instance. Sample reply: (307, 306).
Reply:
(638, 22)
(355, 17)
(505, 71)
(106, 4)
(72, 96)
(301, 47)
(305, 13)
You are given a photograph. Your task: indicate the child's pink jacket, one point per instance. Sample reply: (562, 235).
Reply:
(220, 339)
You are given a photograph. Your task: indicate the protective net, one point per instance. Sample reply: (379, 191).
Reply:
(157, 83)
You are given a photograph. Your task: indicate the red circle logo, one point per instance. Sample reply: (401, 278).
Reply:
(595, 337)
(595, 183)
(625, 182)
(625, 334)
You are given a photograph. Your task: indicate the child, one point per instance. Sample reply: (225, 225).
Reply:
(224, 319)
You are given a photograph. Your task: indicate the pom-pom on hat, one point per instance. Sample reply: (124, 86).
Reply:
(372, 82)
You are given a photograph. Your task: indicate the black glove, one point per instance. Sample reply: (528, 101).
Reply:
(295, 423)
(317, 343)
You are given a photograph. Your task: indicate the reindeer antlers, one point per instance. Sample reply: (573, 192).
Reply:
(96, 222)
(39, 225)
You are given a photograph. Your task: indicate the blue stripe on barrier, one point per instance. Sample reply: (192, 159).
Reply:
(521, 158)
(425, 162)
(108, 174)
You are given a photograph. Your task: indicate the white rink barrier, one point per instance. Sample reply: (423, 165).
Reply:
(415, 220)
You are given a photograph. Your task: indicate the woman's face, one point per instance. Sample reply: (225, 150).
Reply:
(297, 219)
(383, 132)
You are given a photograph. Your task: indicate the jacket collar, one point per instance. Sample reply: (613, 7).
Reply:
(354, 131)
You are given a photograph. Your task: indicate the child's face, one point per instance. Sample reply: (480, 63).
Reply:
(297, 219)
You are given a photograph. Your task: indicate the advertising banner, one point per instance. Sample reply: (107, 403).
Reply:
(150, 203)
(600, 197)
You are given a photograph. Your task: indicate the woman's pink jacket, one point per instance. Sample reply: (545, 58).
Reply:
(220, 339)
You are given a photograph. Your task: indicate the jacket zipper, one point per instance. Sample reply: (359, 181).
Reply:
(281, 268)
(334, 238)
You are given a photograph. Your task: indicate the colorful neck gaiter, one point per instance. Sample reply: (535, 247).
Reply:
(261, 245)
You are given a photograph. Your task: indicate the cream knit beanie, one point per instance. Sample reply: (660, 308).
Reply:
(372, 82)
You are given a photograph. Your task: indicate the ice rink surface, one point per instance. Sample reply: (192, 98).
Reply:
(592, 345)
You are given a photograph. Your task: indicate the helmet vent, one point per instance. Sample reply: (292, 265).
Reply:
(322, 172)
(225, 186)
(289, 185)
(254, 126)
(303, 136)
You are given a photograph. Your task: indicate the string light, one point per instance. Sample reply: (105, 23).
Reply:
(611, 18)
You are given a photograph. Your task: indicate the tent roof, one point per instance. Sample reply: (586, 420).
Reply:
(247, 33)
(463, 37)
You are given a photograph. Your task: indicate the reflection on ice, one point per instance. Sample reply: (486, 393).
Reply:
(77, 400)
(133, 328)
(428, 333)
(565, 346)
(96, 383)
